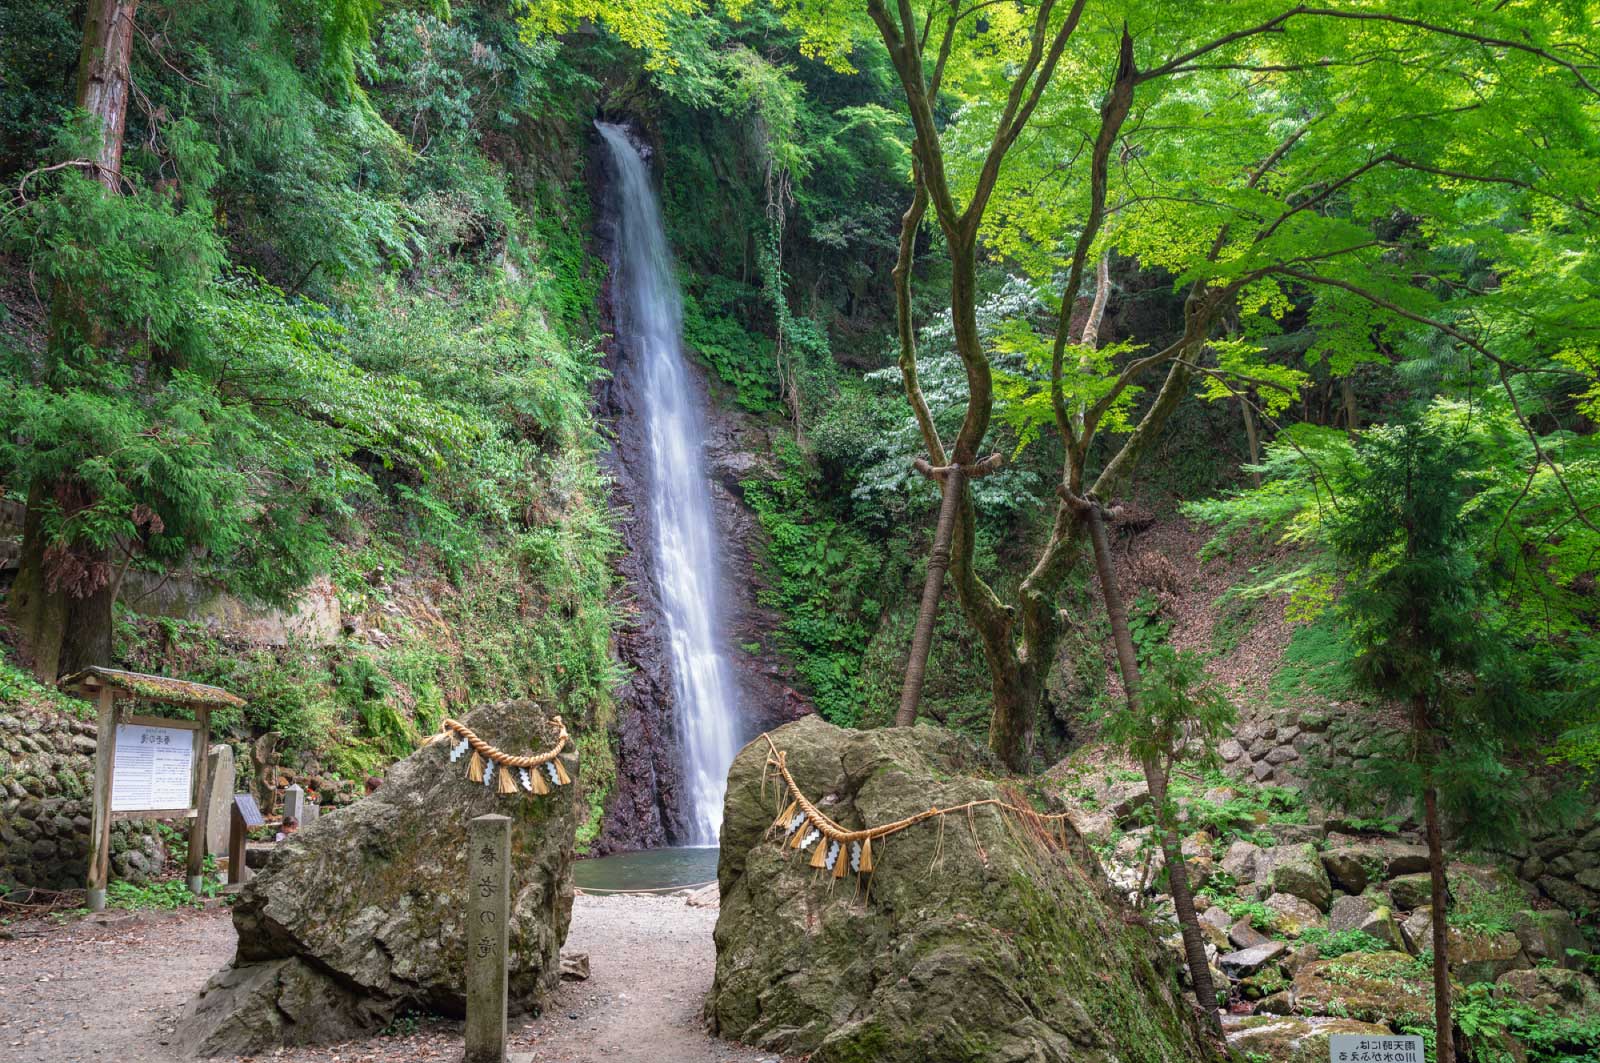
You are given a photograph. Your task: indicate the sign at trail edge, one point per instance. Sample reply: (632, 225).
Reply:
(248, 810)
(1362, 1048)
(154, 769)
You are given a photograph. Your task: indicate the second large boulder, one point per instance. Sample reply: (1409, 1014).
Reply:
(976, 937)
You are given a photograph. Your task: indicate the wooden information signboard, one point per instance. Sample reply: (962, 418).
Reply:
(146, 766)
(154, 768)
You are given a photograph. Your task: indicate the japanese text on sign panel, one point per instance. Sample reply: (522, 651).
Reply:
(1360, 1048)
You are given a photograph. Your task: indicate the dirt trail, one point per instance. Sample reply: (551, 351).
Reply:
(86, 992)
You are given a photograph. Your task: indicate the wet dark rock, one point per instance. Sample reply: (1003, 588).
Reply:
(645, 809)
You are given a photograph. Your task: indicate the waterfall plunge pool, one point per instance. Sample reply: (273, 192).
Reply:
(647, 869)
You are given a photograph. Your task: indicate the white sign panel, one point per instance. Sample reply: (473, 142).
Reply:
(154, 768)
(1361, 1048)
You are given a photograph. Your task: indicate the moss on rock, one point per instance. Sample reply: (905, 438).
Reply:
(974, 940)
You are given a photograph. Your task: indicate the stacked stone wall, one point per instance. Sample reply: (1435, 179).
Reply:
(1561, 860)
(46, 778)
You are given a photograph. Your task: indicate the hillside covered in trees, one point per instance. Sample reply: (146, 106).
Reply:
(1195, 404)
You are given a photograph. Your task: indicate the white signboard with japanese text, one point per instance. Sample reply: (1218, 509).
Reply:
(153, 769)
(1362, 1048)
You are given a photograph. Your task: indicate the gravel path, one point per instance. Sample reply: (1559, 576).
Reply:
(87, 991)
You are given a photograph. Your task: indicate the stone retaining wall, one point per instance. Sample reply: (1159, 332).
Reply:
(46, 777)
(1269, 746)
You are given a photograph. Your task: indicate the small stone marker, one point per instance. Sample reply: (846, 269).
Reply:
(313, 811)
(1361, 1048)
(218, 796)
(488, 909)
(294, 803)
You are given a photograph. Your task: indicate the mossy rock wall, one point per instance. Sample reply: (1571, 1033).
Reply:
(46, 779)
(973, 940)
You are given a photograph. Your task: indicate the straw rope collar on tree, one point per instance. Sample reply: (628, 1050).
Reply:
(494, 767)
(804, 825)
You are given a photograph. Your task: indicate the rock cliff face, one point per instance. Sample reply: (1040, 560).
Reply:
(978, 941)
(645, 808)
(361, 915)
(739, 448)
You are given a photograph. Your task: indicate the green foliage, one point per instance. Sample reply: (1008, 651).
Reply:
(1316, 663)
(1419, 605)
(163, 895)
(741, 359)
(337, 322)
(822, 575)
(1147, 625)
(1261, 917)
(1247, 808)
(1338, 943)
(1487, 909)
(19, 687)
(1485, 1015)
(1178, 706)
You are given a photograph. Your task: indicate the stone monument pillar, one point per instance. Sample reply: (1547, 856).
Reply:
(488, 906)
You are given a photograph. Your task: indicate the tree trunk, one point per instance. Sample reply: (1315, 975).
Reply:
(1444, 1027)
(1252, 436)
(63, 632)
(39, 613)
(86, 637)
(1347, 393)
(1194, 943)
(103, 80)
(932, 589)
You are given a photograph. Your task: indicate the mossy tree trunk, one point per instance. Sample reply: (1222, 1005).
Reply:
(65, 616)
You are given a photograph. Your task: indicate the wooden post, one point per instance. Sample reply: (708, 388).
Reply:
(488, 909)
(243, 816)
(197, 829)
(105, 748)
(236, 839)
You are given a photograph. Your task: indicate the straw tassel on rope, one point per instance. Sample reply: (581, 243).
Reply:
(503, 772)
(840, 851)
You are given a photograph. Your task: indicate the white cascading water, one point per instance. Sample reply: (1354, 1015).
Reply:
(649, 326)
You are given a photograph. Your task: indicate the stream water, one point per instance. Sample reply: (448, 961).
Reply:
(649, 328)
(649, 869)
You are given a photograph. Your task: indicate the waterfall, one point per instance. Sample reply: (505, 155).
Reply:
(649, 328)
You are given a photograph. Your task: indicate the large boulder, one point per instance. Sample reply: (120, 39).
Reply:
(1353, 867)
(1413, 891)
(1568, 994)
(1296, 870)
(975, 937)
(1483, 956)
(361, 915)
(1292, 916)
(1382, 987)
(1290, 1039)
(1348, 913)
(1548, 936)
